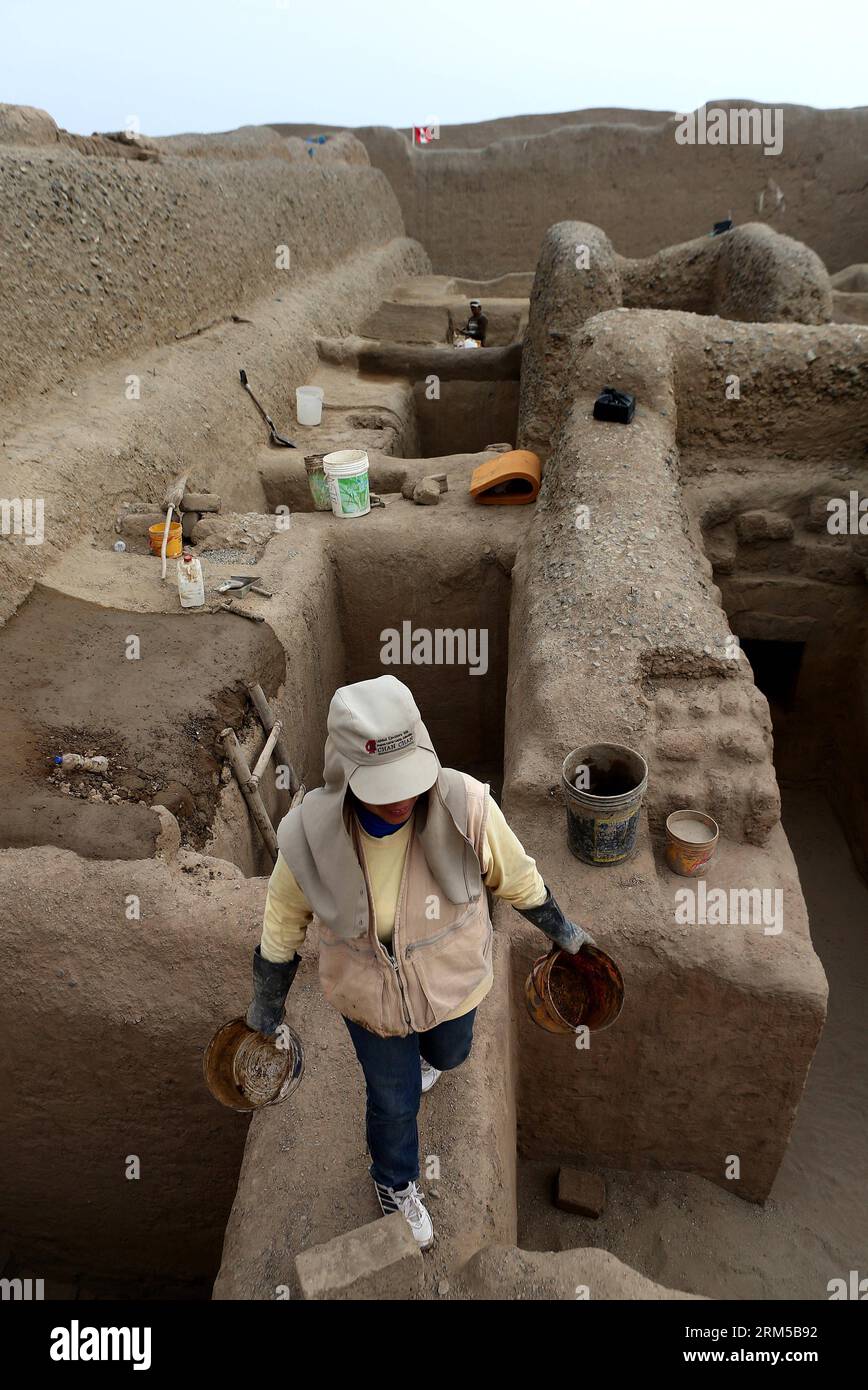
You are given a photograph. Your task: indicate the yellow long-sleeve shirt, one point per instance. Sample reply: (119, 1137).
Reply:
(507, 870)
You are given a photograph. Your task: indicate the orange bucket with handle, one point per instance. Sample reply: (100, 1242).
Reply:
(564, 993)
(175, 543)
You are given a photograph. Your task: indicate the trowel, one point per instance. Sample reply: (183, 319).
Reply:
(240, 585)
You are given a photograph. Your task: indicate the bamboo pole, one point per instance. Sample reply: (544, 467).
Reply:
(266, 715)
(249, 790)
(262, 761)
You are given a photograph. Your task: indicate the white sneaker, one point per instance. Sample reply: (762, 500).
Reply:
(429, 1075)
(408, 1201)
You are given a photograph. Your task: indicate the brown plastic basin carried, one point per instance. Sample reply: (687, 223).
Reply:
(245, 1071)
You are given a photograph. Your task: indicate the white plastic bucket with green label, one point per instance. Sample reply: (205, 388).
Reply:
(346, 473)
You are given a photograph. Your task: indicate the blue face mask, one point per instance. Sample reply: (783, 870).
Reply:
(371, 823)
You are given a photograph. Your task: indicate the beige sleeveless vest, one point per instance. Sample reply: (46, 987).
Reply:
(440, 950)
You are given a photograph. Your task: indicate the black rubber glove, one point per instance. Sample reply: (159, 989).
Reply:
(271, 982)
(550, 919)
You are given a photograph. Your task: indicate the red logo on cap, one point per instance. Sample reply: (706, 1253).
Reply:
(371, 746)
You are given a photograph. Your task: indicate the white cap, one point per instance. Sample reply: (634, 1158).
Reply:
(376, 726)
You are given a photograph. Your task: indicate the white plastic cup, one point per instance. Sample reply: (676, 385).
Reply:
(308, 404)
(346, 473)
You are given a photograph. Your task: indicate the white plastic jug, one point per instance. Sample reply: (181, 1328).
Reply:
(191, 581)
(308, 404)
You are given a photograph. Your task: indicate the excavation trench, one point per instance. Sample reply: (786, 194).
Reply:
(427, 601)
(796, 602)
(149, 691)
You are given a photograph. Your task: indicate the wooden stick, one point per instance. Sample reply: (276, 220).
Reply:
(263, 709)
(249, 791)
(239, 612)
(165, 541)
(262, 761)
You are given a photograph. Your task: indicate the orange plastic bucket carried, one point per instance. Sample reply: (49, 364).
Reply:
(174, 546)
(564, 992)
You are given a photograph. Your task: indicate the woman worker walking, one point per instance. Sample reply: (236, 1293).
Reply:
(393, 855)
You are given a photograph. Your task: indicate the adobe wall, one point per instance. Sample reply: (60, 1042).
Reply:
(482, 198)
(103, 256)
(618, 635)
(105, 1012)
(750, 273)
(104, 1021)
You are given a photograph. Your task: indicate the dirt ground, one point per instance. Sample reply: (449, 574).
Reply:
(689, 1234)
(67, 687)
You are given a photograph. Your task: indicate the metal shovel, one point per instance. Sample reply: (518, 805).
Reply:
(275, 437)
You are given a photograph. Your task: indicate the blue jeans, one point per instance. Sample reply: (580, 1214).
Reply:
(394, 1084)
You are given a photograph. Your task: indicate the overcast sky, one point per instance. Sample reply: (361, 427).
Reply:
(201, 65)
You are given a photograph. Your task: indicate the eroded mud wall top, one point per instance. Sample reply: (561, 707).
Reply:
(102, 255)
(481, 198)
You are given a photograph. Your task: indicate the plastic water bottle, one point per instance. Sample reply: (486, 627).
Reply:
(191, 581)
(75, 762)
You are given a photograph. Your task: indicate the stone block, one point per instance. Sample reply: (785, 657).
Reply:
(426, 493)
(233, 530)
(680, 745)
(831, 562)
(377, 1261)
(138, 523)
(582, 1193)
(743, 746)
(720, 549)
(763, 526)
(818, 514)
(730, 698)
